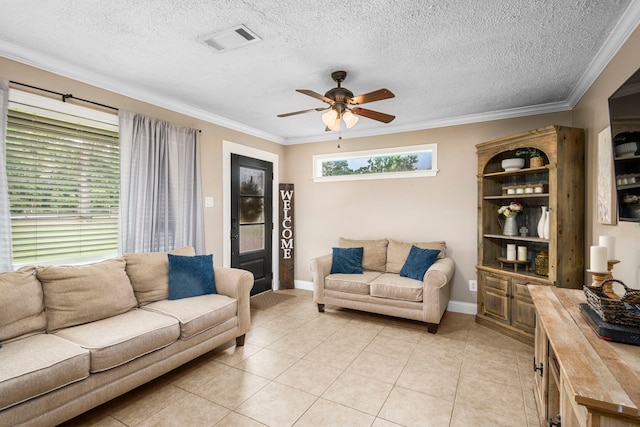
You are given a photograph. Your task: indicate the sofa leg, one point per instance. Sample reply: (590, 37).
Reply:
(240, 340)
(432, 328)
(321, 308)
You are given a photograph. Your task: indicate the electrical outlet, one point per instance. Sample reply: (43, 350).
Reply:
(473, 285)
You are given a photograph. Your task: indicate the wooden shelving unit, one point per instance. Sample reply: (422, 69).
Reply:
(503, 299)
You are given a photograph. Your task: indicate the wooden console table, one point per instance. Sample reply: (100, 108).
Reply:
(584, 379)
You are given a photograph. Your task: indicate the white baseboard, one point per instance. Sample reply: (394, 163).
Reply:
(303, 284)
(454, 306)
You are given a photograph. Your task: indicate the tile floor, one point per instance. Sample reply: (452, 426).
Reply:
(340, 368)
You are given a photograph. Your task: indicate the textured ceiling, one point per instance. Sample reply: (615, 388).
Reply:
(446, 61)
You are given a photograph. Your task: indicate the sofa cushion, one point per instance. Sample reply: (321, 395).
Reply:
(21, 304)
(346, 261)
(149, 273)
(197, 314)
(398, 252)
(38, 364)
(374, 255)
(350, 283)
(190, 276)
(119, 339)
(77, 294)
(418, 262)
(393, 286)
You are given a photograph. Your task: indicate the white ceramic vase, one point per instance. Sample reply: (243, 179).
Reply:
(541, 222)
(546, 225)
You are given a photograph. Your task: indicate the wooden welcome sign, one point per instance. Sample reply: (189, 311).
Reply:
(286, 236)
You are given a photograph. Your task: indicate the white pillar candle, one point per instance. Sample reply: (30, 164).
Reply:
(511, 252)
(598, 259)
(522, 253)
(608, 242)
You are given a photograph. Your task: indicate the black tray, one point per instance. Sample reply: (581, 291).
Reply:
(608, 331)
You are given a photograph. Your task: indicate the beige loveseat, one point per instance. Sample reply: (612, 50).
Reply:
(74, 337)
(380, 288)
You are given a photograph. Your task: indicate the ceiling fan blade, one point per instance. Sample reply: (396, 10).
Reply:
(375, 115)
(303, 111)
(376, 95)
(316, 95)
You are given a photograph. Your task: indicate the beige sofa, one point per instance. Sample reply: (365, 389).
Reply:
(380, 288)
(74, 337)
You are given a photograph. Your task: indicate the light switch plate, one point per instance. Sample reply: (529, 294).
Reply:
(208, 202)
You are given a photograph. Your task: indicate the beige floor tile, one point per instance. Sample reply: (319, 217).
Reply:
(410, 408)
(379, 422)
(434, 381)
(500, 369)
(286, 323)
(195, 374)
(391, 347)
(144, 401)
(267, 363)
(277, 405)
(232, 387)
(377, 366)
(329, 414)
(402, 333)
(296, 343)
(465, 416)
(262, 336)
(192, 411)
(491, 397)
(94, 418)
(331, 354)
(310, 377)
(233, 355)
(358, 392)
(236, 420)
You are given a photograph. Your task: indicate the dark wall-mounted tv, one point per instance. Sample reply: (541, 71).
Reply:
(624, 116)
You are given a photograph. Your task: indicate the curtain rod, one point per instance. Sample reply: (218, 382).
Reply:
(64, 96)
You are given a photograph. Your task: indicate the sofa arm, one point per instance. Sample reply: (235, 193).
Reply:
(236, 283)
(437, 289)
(320, 268)
(439, 274)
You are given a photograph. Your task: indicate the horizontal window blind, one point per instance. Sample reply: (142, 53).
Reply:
(64, 184)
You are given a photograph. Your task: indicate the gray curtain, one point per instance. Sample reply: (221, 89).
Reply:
(160, 201)
(6, 257)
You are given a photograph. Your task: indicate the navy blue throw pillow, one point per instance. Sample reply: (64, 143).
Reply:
(190, 276)
(347, 260)
(418, 262)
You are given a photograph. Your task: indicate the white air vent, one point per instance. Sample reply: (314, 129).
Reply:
(232, 38)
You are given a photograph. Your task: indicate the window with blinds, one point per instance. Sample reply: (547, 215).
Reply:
(64, 181)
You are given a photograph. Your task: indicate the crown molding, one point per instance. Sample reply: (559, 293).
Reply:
(53, 65)
(532, 110)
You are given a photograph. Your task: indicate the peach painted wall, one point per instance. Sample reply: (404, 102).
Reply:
(211, 137)
(592, 114)
(443, 207)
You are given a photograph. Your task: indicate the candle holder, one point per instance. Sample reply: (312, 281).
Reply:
(601, 276)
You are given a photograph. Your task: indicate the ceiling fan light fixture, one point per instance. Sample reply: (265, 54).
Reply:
(329, 118)
(350, 119)
(336, 125)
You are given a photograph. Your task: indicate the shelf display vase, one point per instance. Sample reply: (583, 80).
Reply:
(546, 225)
(510, 225)
(541, 222)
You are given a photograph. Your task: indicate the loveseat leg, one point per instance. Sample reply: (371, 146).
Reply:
(240, 340)
(432, 328)
(321, 308)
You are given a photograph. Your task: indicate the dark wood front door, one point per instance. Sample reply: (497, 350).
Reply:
(252, 219)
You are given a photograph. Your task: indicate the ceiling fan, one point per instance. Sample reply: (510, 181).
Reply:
(340, 100)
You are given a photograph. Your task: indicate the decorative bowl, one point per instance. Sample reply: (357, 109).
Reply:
(512, 164)
(626, 149)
